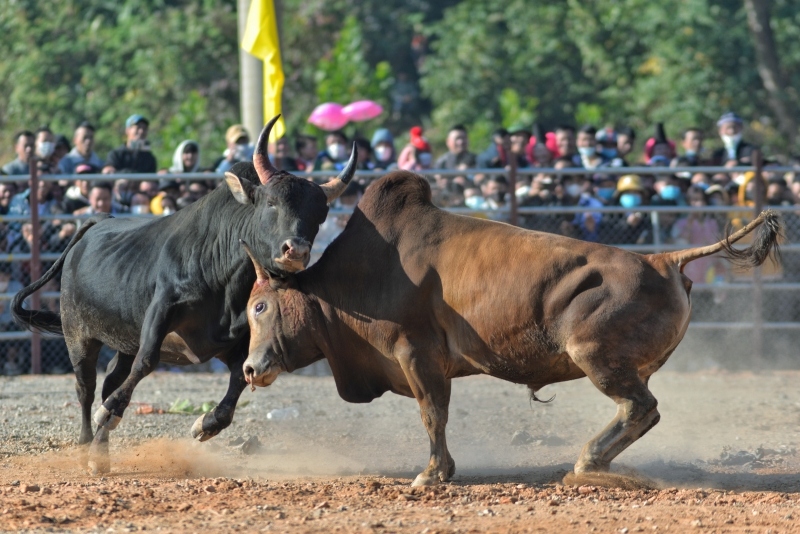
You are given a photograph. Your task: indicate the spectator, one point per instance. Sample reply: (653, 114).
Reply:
(140, 204)
(587, 147)
(729, 127)
(24, 142)
(496, 154)
(9, 349)
(194, 192)
(122, 193)
(149, 188)
(566, 144)
(537, 151)
(134, 156)
(186, 158)
(692, 144)
(306, 148)
(607, 145)
(45, 147)
(83, 151)
(626, 136)
(697, 229)
(20, 206)
(633, 226)
(279, 155)
(416, 156)
(364, 158)
(61, 150)
(166, 188)
(238, 148)
(458, 155)
(586, 225)
(335, 155)
(168, 205)
(494, 191)
(778, 193)
(669, 191)
(77, 196)
(519, 136)
(99, 200)
(658, 150)
(384, 153)
(7, 192)
(604, 187)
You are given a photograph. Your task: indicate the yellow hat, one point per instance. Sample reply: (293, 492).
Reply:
(629, 182)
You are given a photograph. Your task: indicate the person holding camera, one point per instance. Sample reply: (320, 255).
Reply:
(134, 156)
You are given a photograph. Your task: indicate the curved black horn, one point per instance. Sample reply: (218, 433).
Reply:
(261, 160)
(336, 187)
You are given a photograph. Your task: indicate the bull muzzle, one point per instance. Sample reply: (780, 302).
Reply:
(261, 373)
(295, 254)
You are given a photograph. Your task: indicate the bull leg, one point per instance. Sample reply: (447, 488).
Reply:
(432, 391)
(154, 330)
(636, 414)
(83, 356)
(209, 425)
(120, 369)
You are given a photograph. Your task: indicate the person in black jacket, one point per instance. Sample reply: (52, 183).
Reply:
(134, 156)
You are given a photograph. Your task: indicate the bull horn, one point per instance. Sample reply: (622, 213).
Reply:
(261, 273)
(336, 187)
(261, 160)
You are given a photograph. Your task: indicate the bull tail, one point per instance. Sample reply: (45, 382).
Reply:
(41, 320)
(764, 245)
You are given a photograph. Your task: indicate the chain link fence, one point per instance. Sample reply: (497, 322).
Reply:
(740, 319)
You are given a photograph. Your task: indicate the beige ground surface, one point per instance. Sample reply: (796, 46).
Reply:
(723, 459)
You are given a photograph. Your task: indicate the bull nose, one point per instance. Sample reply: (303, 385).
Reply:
(295, 249)
(249, 373)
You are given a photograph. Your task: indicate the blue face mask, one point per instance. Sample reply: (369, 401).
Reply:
(690, 153)
(609, 153)
(671, 192)
(587, 151)
(630, 200)
(702, 185)
(606, 193)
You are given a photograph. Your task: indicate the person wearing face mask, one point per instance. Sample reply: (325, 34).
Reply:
(585, 225)
(383, 152)
(669, 191)
(237, 148)
(632, 226)
(134, 156)
(605, 188)
(658, 150)
(729, 127)
(587, 147)
(607, 144)
(416, 155)
(336, 153)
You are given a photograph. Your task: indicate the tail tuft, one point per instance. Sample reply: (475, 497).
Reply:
(765, 243)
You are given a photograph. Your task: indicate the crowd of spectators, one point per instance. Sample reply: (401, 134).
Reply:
(588, 150)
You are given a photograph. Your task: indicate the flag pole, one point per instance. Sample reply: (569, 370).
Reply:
(251, 81)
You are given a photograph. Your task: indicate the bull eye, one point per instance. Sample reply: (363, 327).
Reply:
(270, 204)
(259, 307)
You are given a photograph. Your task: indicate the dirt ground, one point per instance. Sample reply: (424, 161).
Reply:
(723, 459)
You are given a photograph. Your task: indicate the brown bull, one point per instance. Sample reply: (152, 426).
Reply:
(410, 296)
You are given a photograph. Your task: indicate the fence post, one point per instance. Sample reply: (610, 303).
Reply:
(35, 265)
(512, 186)
(758, 289)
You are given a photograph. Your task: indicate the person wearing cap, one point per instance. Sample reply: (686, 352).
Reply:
(416, 155)
(729, 127)
(237, 148)
(633, 226)
(383, 151)
(83, 152)
(607, 147)
(134, 156)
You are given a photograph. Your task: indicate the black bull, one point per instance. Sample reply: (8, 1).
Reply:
(174, 289)
(409, 297)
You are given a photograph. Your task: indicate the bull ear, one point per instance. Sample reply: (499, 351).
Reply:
(242, 190)
(262, 276)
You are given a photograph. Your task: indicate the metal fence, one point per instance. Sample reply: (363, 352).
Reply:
(760, 306)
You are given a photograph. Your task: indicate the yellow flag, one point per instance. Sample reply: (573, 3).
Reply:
(261, 40)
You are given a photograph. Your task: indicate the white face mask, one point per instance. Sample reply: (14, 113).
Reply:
(168, 211)
(731, 141)
(45, 149)
(138, 210)
(574, 190)
(337, 151)
(383, 153)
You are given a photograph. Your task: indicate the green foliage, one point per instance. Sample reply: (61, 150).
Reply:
(515, 109)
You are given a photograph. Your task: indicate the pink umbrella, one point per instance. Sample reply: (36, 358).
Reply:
(328, 116)
(363, 110)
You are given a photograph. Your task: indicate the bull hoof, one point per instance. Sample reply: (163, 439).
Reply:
(628, 481)
(99, 467)
(202, 430)
(105, 419)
